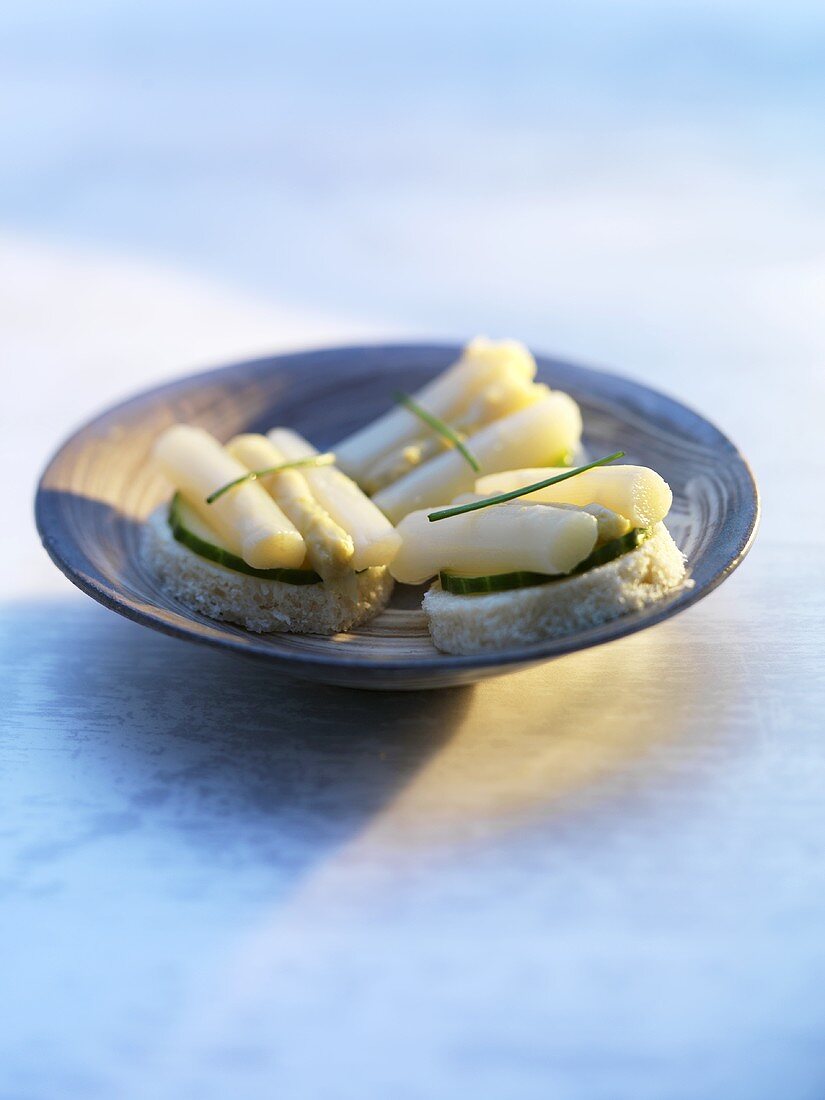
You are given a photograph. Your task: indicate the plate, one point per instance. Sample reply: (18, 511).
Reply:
(98, 489)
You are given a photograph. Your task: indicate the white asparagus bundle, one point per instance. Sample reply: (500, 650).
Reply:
(503, 396)
(330, 549)
(446, 397)
(247, 518)
(374, 538)
(542, 431)
(610, 524)
(636, 492)
(504, 538)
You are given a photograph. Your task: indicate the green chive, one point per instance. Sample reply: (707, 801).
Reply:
(448, 433)
(253, 475)
(474, 505)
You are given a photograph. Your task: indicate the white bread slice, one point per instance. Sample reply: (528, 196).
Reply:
(502, 620)
(260, 605)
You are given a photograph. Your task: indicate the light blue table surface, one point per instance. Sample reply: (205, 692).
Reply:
(599, 880)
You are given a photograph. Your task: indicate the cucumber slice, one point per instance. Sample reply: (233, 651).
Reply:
(191, 531)
(496, 582)
(613, 549)
(506, 582)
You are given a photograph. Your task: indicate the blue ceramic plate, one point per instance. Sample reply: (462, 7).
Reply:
(99, 488)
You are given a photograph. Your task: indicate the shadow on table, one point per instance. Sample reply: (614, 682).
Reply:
(209, 745)
(249, 764)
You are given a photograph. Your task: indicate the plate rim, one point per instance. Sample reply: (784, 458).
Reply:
(46, 521)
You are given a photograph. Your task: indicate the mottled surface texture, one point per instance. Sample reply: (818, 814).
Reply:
(600, 878)
(99, 489)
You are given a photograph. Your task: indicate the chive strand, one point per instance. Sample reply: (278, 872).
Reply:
(253, 475)
(438, 425)
(502, 498)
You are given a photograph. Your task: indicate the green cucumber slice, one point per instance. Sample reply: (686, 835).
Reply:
(506, 582)
(190, 530)
(613, 549)
(496, 582)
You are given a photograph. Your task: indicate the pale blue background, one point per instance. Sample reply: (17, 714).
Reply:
(608, 178)
(601, 881)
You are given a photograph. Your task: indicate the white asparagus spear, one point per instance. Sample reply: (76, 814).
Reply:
(502, 397)
(610, 524)
(447, 396)
(504, 538)
(374, 538)
(636, 492)
(247, 518)
(329, 548)
(549, 428)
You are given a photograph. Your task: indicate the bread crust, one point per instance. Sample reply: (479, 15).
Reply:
(502, 620)
(260, 605)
